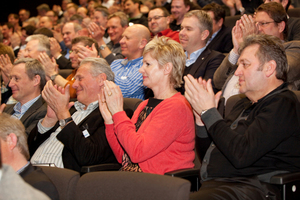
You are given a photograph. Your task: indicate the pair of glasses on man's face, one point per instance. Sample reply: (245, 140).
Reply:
(263, 24)
(154, 18)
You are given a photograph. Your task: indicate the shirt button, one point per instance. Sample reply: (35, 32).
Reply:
(212, 145)
(204, 160)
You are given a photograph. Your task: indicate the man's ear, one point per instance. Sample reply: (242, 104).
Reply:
(101, 78)
(168, 19)
(270, 68)
(12, 141)
(281, 26)
(36, 80)
(143, 43)
(204, 35)
(220, 22)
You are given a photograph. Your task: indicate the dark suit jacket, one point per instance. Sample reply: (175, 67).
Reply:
(63, 62)
(79, 151)
(222, 41)
(205, 65)
(293, 29)
(31, 117)
(39, 180)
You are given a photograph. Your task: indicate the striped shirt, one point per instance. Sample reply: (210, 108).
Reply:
(20, 110)
(128, 77)
(50, 151)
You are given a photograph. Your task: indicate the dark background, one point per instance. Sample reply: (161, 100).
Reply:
(13, 6)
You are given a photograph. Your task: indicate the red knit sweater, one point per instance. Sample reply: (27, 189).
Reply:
(164, 142)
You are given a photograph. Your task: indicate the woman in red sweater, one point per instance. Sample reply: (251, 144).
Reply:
(160, 136)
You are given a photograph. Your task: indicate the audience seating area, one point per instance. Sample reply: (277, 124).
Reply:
(117, 185)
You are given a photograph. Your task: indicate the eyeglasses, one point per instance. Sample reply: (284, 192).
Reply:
(73, 51)
(263, 23)
(155, 18)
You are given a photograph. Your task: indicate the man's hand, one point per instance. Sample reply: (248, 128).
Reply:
(58, 99)
(237, 36)
(200, 93)
(51, 67)
(21, 53)
(5, 65)
(248, 25)
(84, 52)
(95, 31)
(54, 47)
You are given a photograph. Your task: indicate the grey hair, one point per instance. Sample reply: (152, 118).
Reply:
(33, 67)
(99, 66)
(13, 125)
(44, 43)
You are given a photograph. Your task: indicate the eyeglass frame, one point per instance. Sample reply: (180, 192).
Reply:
(263, 24)
(155, 18)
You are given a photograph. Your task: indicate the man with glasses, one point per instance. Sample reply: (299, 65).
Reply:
(81, 47)
(270, 19)
(293, 22)
(158, 23)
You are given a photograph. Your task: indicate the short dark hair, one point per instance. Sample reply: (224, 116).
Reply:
(276, 12)
(87, 41)
(44, 31)
(217, 9)
(76, 17)
(14, 15)
(165, 11)
(103, 10)
(29, 29)
(9, 26)
(270, 48)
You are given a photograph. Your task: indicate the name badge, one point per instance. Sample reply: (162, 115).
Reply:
(86, 133)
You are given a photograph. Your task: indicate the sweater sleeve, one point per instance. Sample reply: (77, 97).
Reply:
(160, 129)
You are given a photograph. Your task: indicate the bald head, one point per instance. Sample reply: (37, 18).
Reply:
(142, 31)
(134, 40)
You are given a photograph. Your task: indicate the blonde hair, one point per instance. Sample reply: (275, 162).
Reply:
(166, 50)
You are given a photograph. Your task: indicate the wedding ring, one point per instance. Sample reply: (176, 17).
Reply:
(92, 33)
(103, 101)
(109, 94)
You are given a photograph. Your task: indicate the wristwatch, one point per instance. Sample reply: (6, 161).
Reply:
(203, 111)
(102, 47)
(52, 78)
(63, 122)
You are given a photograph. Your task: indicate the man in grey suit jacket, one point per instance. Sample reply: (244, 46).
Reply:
(27, 81)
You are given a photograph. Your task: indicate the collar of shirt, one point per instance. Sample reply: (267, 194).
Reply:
(193, 57)
(126, 61)
(213, 36)
(21, 109)
(22, 169)
(80, 107)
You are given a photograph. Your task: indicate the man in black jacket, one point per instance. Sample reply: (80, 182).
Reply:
(74, 139)
(196, 29)
(221, 39)
(259, 138)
